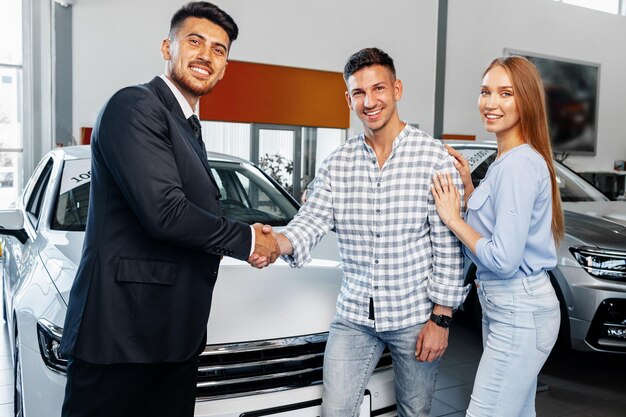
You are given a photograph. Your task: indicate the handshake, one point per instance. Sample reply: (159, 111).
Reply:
(268, 246)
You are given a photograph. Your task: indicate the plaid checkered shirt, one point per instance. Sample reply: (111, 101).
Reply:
(394, 248)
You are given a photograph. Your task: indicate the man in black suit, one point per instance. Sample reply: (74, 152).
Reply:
(138, 309)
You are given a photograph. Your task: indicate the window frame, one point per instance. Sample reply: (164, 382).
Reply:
(37, 192)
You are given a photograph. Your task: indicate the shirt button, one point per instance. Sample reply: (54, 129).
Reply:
(378, 185)
(376, 261)
(377, 210)
(377, 234)
(376, 287)
(373, 161)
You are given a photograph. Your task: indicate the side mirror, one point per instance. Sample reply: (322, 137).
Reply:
(12, 224)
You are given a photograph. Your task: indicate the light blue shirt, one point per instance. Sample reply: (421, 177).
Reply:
(512, 211)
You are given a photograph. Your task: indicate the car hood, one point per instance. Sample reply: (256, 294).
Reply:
(595, 231)
(278, 301)
(614, 211)
(248, 304)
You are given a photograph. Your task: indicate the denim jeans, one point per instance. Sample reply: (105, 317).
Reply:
(521, 320)
(352, 353)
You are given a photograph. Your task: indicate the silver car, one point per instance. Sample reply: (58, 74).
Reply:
(590, 276)
(267, 330)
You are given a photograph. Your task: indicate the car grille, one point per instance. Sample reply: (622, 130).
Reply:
(233, 370)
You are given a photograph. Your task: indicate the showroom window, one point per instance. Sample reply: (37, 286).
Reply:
(291, 155)
(608, 6)
(11, 84)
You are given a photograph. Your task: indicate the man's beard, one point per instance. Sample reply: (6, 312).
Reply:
(181, 80)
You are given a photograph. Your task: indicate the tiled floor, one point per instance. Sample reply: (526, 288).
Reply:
(579, 384)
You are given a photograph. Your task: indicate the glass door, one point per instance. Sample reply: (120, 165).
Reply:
(277, 150)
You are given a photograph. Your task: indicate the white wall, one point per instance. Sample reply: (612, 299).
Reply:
(116, 43)
(479, 30)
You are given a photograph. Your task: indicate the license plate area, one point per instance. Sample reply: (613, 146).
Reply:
(305, 409)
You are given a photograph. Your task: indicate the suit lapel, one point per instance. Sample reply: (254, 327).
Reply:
(166, 96)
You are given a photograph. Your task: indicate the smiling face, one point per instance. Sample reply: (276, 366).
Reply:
(196, 57)
(496, 104)
(372, 95)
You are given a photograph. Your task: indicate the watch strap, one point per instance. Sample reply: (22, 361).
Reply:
(441, 320)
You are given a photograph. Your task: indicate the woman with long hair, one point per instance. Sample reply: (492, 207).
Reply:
(512, 226)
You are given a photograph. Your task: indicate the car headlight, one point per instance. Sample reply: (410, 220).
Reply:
(49, 337)
(601, 263)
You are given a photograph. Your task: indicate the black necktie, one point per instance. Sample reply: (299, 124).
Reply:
(195, 127)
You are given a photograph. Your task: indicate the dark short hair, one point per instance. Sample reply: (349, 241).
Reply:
(205, 10)
(366, 58)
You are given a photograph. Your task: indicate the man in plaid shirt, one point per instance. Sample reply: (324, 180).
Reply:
(401, 263)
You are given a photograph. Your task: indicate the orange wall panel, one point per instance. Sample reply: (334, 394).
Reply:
(261, 93)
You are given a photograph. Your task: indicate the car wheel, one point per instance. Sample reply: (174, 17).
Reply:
(4, 302)
(563, 342)
(18, 399)
(473, 309)
(472, 312)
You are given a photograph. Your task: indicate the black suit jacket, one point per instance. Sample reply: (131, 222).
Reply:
(154, 237)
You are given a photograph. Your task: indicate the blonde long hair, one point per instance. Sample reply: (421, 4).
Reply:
(531, 105)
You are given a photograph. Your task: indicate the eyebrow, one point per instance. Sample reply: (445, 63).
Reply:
(204, 39)
(378, 84)
(502, 87)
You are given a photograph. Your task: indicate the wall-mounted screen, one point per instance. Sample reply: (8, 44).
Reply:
(572, 101)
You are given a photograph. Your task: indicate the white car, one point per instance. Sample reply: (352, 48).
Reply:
(590, 276)
(267, 330)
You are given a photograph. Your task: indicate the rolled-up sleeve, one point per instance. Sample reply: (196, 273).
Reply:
(445, 285)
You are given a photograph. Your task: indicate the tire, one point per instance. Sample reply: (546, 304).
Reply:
(18, 398)
(472, 312)
(563, 341)
(475, 311)
(4, 303)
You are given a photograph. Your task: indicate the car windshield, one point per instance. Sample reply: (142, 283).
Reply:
(247, 195)
(573, 187)
(250, 197)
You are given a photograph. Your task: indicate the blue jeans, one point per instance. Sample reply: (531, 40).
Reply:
(521, 319)
(352, 353)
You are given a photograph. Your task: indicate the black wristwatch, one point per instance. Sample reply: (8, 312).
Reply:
(441, 320)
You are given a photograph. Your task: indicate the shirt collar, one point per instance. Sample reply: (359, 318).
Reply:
(182, 101)
(396, 142)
